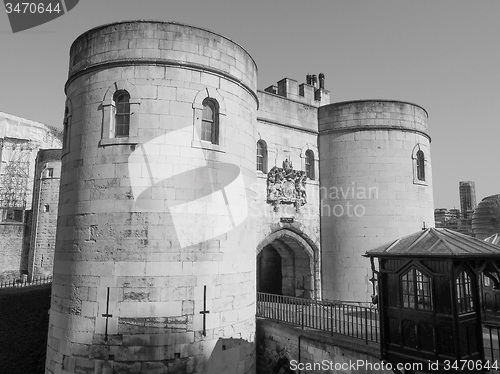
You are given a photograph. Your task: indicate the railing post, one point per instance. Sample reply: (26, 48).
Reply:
(366, 325)
(332, 320)
(302, 316)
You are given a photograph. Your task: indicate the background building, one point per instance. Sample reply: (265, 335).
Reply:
(467, 198)
(486, 218)
(44, 213)
(20, 141)
(459, 220)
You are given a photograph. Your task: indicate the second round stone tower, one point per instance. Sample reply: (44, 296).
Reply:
(376, 186)
(155, 258)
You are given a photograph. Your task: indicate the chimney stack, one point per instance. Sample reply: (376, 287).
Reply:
(322, 81)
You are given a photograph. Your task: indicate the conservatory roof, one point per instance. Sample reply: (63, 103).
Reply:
(434, 242)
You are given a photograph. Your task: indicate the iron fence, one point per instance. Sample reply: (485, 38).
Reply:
(491, 341)
(25, 283)
(347, 319)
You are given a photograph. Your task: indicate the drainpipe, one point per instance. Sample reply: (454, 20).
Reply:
(35, 235)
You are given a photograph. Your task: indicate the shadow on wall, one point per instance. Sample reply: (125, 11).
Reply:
(226, 357)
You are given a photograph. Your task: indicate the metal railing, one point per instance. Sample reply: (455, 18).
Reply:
(25, 283)
(491, 341)
(334, 317)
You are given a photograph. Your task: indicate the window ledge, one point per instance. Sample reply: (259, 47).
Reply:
(11, 222)
(418, 181)
(118, 141)
(207, 145)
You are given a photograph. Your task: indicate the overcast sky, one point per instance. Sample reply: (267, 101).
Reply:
(442, 55)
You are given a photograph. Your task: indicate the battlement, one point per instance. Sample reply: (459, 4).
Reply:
(312, 92)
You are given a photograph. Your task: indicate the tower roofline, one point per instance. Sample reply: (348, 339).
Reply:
(339, 103)
(94, 29)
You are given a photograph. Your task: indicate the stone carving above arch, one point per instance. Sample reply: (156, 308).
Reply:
(286, 186)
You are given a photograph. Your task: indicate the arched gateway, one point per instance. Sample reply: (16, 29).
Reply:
(288, 265)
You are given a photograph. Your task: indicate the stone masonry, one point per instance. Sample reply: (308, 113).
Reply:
(370, 190)
(154, 268)
(44, 216)
(166, 228)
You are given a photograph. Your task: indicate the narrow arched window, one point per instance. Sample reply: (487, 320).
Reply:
(122, 113)
(66, 128)
(464, 293)
(210, 121)
(261, 156)
(310, 164)
(420, 166)
(416, 290)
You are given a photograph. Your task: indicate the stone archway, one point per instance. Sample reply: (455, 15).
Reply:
(270, 276)
(288, 265)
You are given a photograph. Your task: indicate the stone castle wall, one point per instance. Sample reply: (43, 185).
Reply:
(280, 345)
(154, 227)
(289, 129)
(11, 243)
(44, 213)
(160, 229)
(370, 191)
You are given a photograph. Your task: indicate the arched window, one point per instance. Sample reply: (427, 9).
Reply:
(122, 113)
(420, 166)
(66, 128)
(210, 121)
(464, 293)
(416, 290)
(262, 156)
(309, 164)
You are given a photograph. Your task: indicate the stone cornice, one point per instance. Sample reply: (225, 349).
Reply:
(373, 128)
(158, 62)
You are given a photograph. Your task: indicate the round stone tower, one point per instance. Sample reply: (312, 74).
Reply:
(154, 265)
(376, 186)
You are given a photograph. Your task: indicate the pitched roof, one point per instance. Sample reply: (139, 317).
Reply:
(434, 242)
(493, 239)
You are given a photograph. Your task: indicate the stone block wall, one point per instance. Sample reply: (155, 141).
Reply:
(154, 227)
(44, 213)
(307, 351)
(11, 242)
(289, 129)
(370, 192)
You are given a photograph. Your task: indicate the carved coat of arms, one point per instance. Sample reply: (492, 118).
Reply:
(286, 186)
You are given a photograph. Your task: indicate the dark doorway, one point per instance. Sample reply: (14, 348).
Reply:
(269, 268)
